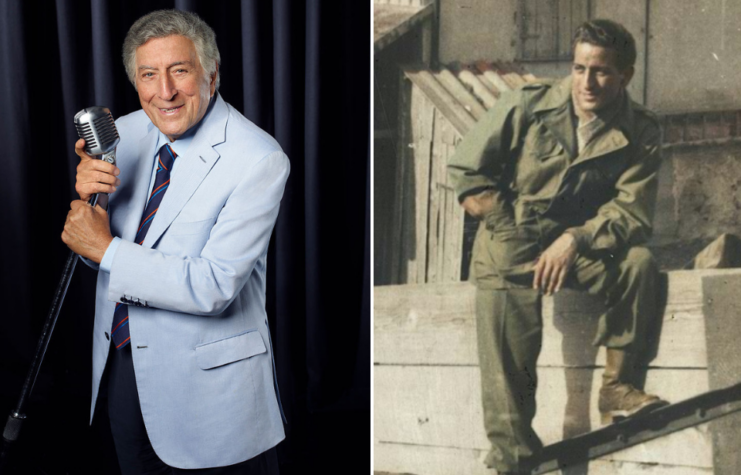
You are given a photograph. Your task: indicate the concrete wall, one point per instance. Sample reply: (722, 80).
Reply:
(694, 55)
(477, 29)
(694, 46)
(706, 189)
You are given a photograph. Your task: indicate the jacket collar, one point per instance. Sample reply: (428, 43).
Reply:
(192, 168)
(555, 109)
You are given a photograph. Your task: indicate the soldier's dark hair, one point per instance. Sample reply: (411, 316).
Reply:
(608, 34)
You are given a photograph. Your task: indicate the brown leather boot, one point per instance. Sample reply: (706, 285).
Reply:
(617, 397)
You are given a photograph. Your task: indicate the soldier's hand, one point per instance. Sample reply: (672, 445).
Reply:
(479, 205)
(94, 176)
(554, 264)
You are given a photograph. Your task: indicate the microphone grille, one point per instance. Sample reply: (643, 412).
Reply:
(97, 127)
(86, 132)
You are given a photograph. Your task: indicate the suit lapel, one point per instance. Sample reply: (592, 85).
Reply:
(192, 169)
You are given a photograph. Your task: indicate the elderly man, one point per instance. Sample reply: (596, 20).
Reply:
(563, 176)
(182, 359)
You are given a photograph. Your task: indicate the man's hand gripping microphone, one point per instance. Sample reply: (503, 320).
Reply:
(96, 126)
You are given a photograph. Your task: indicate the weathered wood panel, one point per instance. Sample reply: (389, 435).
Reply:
(510, 76)
(440, 406)
(461, 119)
(461, 94)
(432, 218)
(417, 195)
(482, 93)
(396, 247)
(498, 83)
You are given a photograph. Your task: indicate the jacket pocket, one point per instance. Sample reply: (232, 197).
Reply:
(505, 258)
(235, 348)
(543, 144)
(499, 220)
(548, 148)
(193, 227)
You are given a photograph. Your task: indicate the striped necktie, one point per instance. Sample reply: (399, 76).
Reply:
(120, 328)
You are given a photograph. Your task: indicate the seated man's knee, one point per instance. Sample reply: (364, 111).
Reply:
(639, 260)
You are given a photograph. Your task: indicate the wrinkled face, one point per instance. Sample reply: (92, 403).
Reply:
(174, 89)
(596, 80)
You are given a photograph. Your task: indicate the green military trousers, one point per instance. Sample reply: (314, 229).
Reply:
(509, 324)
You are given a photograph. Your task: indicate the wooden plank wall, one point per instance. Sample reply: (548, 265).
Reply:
(430, 218)
(437, 109)
(427, 412)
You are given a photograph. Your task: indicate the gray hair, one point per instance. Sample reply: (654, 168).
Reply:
(163, 23)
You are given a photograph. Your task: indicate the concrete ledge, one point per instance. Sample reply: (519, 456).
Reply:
(426, 460)
(427, 388)
(434, 324)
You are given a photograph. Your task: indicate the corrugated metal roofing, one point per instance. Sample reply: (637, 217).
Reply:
(464, 92)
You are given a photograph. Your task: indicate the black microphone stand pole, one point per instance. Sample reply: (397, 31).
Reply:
(17, 416)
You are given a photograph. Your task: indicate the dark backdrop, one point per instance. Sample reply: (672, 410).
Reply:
(300, 70)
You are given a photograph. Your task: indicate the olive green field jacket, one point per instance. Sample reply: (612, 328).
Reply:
(524, 150)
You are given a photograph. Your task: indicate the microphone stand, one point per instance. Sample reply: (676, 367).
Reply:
(17, 416)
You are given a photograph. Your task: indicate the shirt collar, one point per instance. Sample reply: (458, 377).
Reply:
(180, 146)
(589, 129)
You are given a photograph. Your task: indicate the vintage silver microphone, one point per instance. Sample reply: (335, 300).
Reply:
(96, 126)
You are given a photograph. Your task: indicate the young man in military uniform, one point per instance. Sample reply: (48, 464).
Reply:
(563, 175)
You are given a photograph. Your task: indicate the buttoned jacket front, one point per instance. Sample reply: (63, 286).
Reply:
(524, 152)
(196, 289)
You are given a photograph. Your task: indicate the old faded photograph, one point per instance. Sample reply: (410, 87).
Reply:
(557, 250)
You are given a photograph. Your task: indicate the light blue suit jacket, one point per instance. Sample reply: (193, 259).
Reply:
(199, 334)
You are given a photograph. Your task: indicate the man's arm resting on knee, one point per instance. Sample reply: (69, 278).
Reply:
(552, 267)
(627, 219)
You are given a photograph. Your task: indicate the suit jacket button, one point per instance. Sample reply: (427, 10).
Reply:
(107, 337)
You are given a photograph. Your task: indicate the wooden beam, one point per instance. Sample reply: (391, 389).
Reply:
(391, 22)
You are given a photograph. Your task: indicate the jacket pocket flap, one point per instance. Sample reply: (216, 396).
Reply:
(548, 150)
(228, 350)
(191, 227)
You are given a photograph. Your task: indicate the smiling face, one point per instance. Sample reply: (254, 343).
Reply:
(174, 89)
(596, 80)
